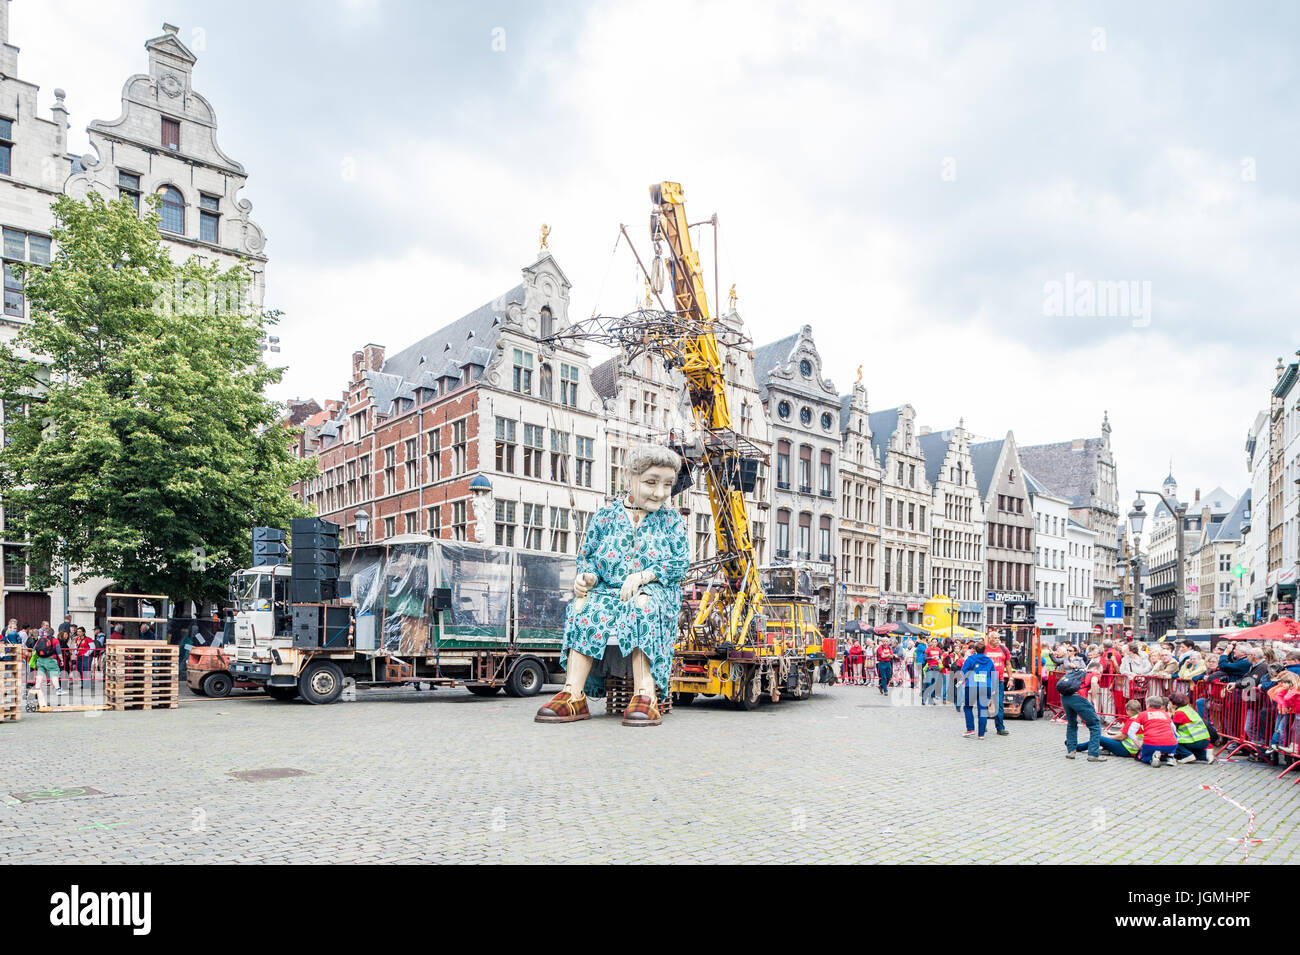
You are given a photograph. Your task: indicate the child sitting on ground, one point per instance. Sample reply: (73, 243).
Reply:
(1158, 738)
(1125, 737)
(1190, 729)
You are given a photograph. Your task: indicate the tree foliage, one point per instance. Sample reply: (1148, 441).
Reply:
(147, 450)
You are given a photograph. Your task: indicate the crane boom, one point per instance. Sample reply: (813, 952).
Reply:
(721, 458)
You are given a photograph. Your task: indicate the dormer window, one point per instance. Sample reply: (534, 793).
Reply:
(548, 323)
(171, 133)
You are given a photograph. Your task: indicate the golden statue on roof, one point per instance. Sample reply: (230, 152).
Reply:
(546, 232)
(731, 297)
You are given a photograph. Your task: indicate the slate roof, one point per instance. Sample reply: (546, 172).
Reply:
(935, 448)
(604, 378)
(984, 459)
(468, 340)
(1230, 528)
(1066, 471)
(769, 356)
(883, 425)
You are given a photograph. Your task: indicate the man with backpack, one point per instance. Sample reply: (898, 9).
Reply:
(45, 655)
(1073, 690)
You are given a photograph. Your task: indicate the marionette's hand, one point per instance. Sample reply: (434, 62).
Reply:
(635, 582)
(582, 584)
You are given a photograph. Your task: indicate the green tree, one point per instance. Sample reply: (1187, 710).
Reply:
(139, 445)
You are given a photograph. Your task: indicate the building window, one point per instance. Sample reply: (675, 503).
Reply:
(559, 457)
(435, 521)
(505, 459)
(412, 463)
(533, 526)
(544, 381)
(412, 522)
(548, 322)
(6, 146)
(824, 538)
(580, 521)
(459, 525)
(505, 523)
(805, 469)
(435, 454)
(569, 385)
(783, 465)
(560, 530)
(21, 247)
(523, 379)
(805, 416)
(782, 533)
(390, 527)
(703, 535)
(783, 409)
(617, 466)
(390, 470)
(805, 368)
(459, 448)
(128, 188)
(171, 133)
(533, 450)
(209, 218)
(824, 474)
(805, 535)
(172, 211)
(586, 455)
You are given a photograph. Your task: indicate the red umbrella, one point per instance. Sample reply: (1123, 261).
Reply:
(885, 629)
(1283, 628)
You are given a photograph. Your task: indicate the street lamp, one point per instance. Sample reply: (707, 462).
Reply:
(1136, 518)
(363, 525)
(1179, 512)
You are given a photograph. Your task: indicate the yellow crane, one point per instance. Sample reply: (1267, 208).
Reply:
(738, 643)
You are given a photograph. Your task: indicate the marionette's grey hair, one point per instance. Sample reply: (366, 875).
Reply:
(643, 457)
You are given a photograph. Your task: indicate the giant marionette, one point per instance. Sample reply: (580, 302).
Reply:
(627, 596)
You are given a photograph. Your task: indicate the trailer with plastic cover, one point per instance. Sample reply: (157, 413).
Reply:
(421, 611)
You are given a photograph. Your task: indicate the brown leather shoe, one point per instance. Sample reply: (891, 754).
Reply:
(642, 711)
(563, 708)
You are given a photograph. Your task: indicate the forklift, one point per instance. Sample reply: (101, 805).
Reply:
(1024, 694)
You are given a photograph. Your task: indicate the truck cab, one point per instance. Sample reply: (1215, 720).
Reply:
(259, 597)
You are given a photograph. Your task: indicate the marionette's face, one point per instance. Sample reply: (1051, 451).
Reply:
(650, 489)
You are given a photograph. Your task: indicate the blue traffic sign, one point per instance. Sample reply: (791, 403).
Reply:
(1114, 610)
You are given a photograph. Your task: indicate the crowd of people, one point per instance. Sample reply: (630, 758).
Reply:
(68, 650)
(1167, 724)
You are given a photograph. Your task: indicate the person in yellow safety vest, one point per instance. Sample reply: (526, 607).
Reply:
(1192, 733)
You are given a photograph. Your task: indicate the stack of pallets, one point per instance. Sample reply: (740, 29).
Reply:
(618, 694)
(11, 689)
(141, 675)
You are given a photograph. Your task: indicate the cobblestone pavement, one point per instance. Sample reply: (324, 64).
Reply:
(401, 776)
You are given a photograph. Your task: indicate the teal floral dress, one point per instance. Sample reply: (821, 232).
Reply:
(613, 549)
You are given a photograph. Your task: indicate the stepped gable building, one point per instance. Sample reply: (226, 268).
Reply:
(1008, 526)
(165, 143)
(1083, 472)
(478, 432)
(956, 523)
(645, 403)
(804, 409)
(906, 499)
(859, 478)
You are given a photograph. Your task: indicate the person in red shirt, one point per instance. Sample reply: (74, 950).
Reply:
(884, 664)
(1158, 736)
(933, 673)
(854, 663)
(1001, 658)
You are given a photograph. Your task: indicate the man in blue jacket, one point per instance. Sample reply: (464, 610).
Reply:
(978, 672)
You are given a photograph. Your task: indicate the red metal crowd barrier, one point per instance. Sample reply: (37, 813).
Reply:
(1247, 719)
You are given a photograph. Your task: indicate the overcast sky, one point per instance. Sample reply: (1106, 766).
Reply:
(909, 179)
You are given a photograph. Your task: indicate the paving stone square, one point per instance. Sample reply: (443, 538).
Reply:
(406, 776)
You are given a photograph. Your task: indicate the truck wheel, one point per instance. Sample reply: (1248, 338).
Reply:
(750, 693)
(321, 682)
(282, 692)
(481, 690)
(217, 684)
(1029, 709)
(526, 679)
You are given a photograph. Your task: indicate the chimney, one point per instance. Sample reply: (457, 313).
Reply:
(60, 111)
(1197, 500)
(374, 357)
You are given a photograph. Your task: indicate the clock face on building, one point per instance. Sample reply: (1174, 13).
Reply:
(783, 409)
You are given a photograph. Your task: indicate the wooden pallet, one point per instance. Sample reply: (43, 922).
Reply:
(141, 675)
(11, 690)
(618, 694)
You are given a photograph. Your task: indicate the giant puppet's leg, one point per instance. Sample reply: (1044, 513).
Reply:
(576, 673)
(643, 683)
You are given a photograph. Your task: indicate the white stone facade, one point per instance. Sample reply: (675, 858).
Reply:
(1051, 570)
(1079, 563)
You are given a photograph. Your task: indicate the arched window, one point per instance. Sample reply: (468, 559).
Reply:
(548, 322)
(172, 211)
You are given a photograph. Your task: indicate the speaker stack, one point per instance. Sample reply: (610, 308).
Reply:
(268, 547)
(315, 574)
